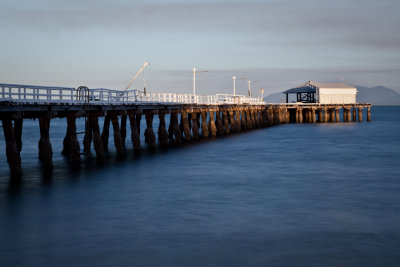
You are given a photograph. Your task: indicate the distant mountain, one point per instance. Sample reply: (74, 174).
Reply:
(275, 98)
(378, 95)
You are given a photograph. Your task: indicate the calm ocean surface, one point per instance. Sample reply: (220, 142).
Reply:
(290, 195)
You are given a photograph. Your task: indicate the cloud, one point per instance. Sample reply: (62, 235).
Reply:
(355, 23)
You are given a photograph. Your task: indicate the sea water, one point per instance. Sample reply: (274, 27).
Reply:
(290, 195)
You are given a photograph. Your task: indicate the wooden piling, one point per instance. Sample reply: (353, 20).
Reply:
(195, 126)
(218, 121)
(135, 136)
(320, 116)
(295, 116)
(307, 115)
(232, 121)
(138, 121)
(186, 128)
(225, 121)
(106, 132)
(117, 134)
(237, 120)
(12, 152)
(244, 119)
(287, 115)
(332, 116)
(368, 113)
(314, 119)
(123, 128)
(175, 127)
(204, 126)
(162, 131)
(45, 149)
(359, 114)
(97, 141)
(326, 115)
(149, 136)
(212, 125)
(337, 114)
(18, 132)
(87, 139)
(348, 116)
(354, 114)
(74, 147)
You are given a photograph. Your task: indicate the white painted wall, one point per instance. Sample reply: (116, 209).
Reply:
(337, 95)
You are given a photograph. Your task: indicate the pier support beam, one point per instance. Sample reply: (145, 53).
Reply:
(303, 115)
(73, 144)
(326, 115)
(243, 120)
(218, 121)
(204, 127)
(195, 126)
(249, 120)
(117, 135)
(287, 115)
(12, 152)
(296, 115)
(348, 116)
(313, 118)
(368, 113)
(359, 114)
(320, 116)
(162, 131)
(123, 129)
(45, 149)
(135, 136)
(87, 139)
(226, 122)
(354, 114)
(211, 125)
(232, 121)
(97, 141)
(237, 120)
(149, 136)
(332, 116)
(18, 132)
(174, 125)
(106, 132)
(186, 128)
(337, 114)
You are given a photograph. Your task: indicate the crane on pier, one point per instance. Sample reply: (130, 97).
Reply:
(146, 64)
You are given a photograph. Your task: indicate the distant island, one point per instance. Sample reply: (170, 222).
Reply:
(378, 95)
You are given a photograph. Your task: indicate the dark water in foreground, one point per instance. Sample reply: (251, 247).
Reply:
(291, 195)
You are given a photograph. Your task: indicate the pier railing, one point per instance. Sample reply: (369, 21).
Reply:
(35, 94)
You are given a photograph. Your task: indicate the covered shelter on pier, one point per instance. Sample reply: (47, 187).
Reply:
(323, 93)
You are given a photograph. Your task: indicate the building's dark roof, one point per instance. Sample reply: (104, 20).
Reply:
(310, 87)
(303, 89)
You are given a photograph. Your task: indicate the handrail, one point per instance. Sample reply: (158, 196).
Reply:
(33, 93)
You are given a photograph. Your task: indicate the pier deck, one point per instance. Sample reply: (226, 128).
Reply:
(190, 117)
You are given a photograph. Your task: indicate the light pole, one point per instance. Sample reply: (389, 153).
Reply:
(262, 93)
(194, 78)
(249, 82)
(234, 84)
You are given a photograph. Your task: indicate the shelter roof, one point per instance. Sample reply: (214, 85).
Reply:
(311, 86)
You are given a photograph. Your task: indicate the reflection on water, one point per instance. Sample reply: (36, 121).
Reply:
(303, 195)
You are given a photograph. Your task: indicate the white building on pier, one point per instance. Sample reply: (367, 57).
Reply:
(323, 93)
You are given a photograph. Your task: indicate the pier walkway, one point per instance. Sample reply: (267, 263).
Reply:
(190, 117)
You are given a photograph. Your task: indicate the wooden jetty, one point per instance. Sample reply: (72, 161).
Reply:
(191, 117)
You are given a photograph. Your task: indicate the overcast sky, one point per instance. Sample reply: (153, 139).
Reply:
(282, 43)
